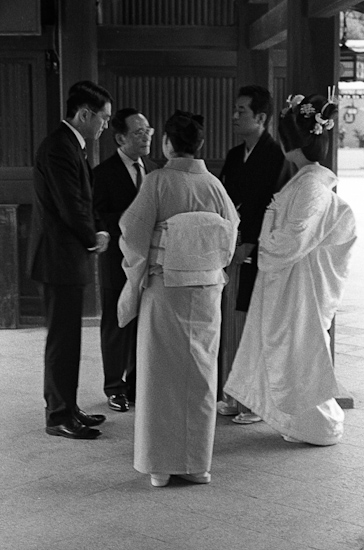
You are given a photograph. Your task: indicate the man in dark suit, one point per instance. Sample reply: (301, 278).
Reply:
(252, 172)
(117, 181)
(65, 233)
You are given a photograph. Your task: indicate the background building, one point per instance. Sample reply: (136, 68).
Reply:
(157, 55)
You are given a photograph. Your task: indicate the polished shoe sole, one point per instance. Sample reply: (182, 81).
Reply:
(91, 422)
(93, 435)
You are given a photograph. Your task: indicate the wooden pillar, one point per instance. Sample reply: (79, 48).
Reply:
(78, 61)
(78, 51)
(252, 65)
(313, 64)
(277, 84)
(78, 42)
(313, 57)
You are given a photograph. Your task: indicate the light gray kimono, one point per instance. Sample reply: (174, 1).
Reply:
(177, 236)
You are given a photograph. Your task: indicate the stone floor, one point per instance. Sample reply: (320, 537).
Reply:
(265, 494)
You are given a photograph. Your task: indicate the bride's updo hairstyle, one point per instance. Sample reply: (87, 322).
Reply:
(305, 123)
(185, 131)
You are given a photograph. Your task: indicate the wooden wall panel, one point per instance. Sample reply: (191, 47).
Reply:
(23, 124)
(158, 97)
(17, 144)
(167, 12)
(22, 108)
(20, 17)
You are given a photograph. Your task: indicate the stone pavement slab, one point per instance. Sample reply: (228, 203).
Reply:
(265, 494)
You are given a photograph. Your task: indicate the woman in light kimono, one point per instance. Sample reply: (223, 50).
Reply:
(177, 236)
(283, 369)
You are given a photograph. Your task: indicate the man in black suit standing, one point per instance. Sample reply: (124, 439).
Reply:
(117, 181)
(65, 233)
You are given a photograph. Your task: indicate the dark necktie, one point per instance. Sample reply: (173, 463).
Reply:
(139, 175)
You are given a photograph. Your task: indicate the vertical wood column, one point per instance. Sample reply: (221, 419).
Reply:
(252, 66)
(78, 47)
(313, 64)
(78, 42)
(313, 55)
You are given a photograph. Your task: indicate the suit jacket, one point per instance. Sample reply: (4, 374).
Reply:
(114, 191)
(251, 185)
(63, 221)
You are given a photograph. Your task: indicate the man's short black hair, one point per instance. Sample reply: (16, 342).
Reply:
(119, 124)
(86, 93)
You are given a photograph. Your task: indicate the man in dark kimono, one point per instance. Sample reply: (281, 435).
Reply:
(252, 172)
(117, 182)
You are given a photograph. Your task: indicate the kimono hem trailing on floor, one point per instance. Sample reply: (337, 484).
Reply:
(177, 236)
(283, 369)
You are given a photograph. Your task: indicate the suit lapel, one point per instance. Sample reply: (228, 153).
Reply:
(123, 172)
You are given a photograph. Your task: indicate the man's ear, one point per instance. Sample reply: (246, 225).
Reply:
(120, 139)
(262, 118)
(82, 114)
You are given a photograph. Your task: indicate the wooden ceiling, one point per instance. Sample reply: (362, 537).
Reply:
(271, 28)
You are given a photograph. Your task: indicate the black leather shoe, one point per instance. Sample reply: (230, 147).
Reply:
(88, 419)
(73, 429)
(118, 402)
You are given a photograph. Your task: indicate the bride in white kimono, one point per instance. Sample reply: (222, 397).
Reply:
(177, 236)
(283, 369)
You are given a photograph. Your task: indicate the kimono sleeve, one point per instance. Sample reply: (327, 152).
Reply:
(299, 230)
(137, 227)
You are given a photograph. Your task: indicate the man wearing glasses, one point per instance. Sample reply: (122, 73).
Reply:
(117, 182)
(65, 233)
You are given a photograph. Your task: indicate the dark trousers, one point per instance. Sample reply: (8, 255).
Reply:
(118, 348)
(63, 310)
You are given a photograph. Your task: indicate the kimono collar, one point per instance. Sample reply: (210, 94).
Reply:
(263, 138)
(321, 173)
(184, 164)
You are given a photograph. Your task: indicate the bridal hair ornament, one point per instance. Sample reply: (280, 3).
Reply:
(308, 111)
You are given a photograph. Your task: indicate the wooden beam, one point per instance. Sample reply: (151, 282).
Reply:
(329, 8)
(272, 3)
(278, 57)
(211, 60)
(145, 38)
(270, 29)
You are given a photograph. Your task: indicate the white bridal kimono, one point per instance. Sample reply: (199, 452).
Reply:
(283, 369)
(177, 236)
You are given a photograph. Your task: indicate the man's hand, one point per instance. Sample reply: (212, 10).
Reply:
(102, 241)
(242, 252)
